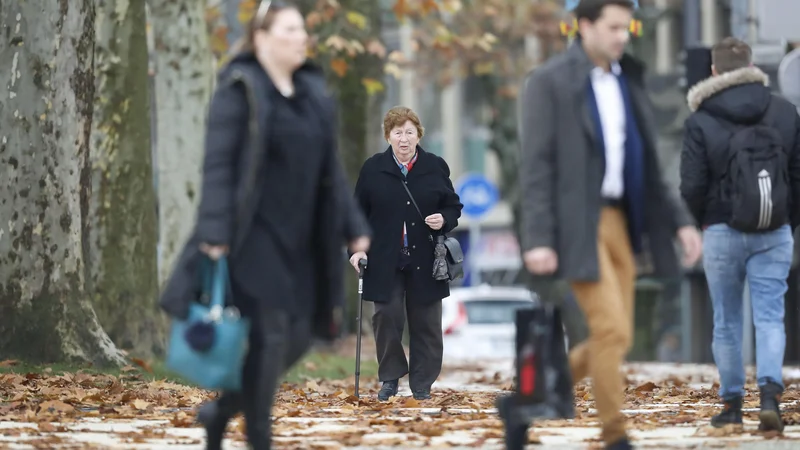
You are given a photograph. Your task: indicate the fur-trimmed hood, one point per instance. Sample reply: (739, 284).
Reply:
(740, 96)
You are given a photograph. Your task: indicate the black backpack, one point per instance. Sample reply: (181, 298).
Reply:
(756, 183)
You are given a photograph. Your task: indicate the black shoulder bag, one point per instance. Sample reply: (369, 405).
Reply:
(447, 251)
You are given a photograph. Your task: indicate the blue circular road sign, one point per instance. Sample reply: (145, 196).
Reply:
(478, 194)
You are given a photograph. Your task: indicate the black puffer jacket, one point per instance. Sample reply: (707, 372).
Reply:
(718, 104)
(236, 146)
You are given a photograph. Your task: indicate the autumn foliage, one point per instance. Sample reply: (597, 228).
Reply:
(482, 37)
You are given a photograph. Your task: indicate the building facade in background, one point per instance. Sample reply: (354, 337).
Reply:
(457, 116)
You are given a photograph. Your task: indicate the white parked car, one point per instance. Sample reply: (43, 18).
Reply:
(478, 322)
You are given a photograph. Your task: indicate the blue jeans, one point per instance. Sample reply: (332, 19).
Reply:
(763, 259)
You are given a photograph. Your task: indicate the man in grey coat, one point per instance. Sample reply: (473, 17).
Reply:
(593, 195)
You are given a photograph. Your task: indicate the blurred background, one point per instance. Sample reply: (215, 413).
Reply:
(459, 65)
(147, 69)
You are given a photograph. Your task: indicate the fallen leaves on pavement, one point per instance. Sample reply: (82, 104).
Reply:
(52, 405)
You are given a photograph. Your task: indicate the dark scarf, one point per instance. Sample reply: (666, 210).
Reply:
(633, 172)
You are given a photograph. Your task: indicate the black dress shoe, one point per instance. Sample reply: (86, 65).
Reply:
(422, 394)
(388, 390)
(622, 444)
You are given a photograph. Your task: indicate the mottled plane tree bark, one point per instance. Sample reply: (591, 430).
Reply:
(184, 77)
(124, 235)
(45, 130)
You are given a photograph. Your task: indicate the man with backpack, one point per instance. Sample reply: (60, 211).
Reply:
(740, 176)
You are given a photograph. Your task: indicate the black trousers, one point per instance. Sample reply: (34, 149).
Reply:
(425, 332)
(277, 341)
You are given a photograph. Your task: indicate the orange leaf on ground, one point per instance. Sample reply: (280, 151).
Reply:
(56, 405)
(646, 387)
(140, 404)
(143, 364)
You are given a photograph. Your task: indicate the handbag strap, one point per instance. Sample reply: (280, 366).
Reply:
(414, 202)
(219, 285)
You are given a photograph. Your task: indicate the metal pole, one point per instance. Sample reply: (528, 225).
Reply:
(748, 338)
(752, 22)
(408, 94)
(664, 52)
(708, 20)
(739, 19)
(691, 38)
(474, 243)
(691, 23)
(686, 319)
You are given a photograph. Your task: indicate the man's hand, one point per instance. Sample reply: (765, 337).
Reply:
(692, 245)
(541, 261)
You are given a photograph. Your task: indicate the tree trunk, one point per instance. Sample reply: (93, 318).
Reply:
(45, 127)
(184, 79)
(504, 143)
(124, 236)
(357, 115)
(357, 109)
(357, 112)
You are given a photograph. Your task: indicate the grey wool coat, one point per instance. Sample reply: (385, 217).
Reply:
(562, 170)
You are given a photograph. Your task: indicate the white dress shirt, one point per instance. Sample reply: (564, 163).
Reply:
(611, 106)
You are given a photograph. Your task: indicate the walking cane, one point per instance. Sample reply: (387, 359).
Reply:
(362, 264)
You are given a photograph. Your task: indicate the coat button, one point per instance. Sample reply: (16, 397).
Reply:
(408, 203)
(417, 267)
(412, 224)
(413, 246)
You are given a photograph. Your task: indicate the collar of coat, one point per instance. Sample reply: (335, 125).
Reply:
(422, 162)
(707, 88)
(631, 67)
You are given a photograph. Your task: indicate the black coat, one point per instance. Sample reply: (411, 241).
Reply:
(561, 170)
(238, 124)
(386, 204)
(718, 105)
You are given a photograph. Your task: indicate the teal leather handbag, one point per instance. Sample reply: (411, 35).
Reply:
(209, 347)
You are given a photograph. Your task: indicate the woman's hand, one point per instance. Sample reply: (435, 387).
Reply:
(214, 252)
(435, 221)
(360, 244)
(357, 256)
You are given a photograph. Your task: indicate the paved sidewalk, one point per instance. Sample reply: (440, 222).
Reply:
(415, 429)
(669, 407)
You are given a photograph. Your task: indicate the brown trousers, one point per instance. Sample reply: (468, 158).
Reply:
(608, 307)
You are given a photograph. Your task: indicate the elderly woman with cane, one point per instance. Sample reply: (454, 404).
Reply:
(275, 200)
(409, 200)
